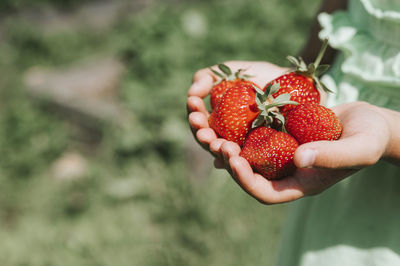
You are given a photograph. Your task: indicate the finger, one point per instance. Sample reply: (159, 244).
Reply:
(202, 83)
(229, 149)
(215, 146)
(198, 120)
(196, 104)
(262, 189)
(352, 152)
(206, 136)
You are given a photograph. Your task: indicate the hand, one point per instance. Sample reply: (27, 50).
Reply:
(320, 164)
(203, 80)
(366, 138)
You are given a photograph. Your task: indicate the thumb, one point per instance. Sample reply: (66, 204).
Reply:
(353, 152)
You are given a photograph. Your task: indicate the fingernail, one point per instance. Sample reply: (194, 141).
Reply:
(307, 158)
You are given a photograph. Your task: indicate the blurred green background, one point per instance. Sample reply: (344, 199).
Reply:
(98, 165)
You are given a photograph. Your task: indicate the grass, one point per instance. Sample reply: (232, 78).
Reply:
(136, 204)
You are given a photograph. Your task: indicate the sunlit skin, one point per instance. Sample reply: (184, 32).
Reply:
(370, 133)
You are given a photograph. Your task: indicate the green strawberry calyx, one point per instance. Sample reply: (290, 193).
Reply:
(227, 74)
(267, 105)
(313, 70)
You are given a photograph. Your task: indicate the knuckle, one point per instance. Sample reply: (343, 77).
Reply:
(193, 118)
(200, 73)
(193, 102)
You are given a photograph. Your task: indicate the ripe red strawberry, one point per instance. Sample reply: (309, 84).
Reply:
(233, 117)
(228, 80)
(300, 87)
(303, 83)
(270, 152)
(242, 107)
(312, 122)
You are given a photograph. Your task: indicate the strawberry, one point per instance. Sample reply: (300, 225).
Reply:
(270, 152)
(243, 107)
(303, 83)
(312, 122)
(228, 80)
(233, 116)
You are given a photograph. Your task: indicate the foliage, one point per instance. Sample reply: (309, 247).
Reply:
(15, 5)
(139, 203)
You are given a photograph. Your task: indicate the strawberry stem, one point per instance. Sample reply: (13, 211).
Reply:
(279, 104)
(267, 105)
(313, 70)
(321, 53)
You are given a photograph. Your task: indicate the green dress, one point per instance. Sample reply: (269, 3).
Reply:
(357, 221)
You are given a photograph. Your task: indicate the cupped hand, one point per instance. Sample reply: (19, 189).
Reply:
(261, 72)
(365, 139)
(319, 164)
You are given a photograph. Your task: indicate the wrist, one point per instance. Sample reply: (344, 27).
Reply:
(392, 118)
